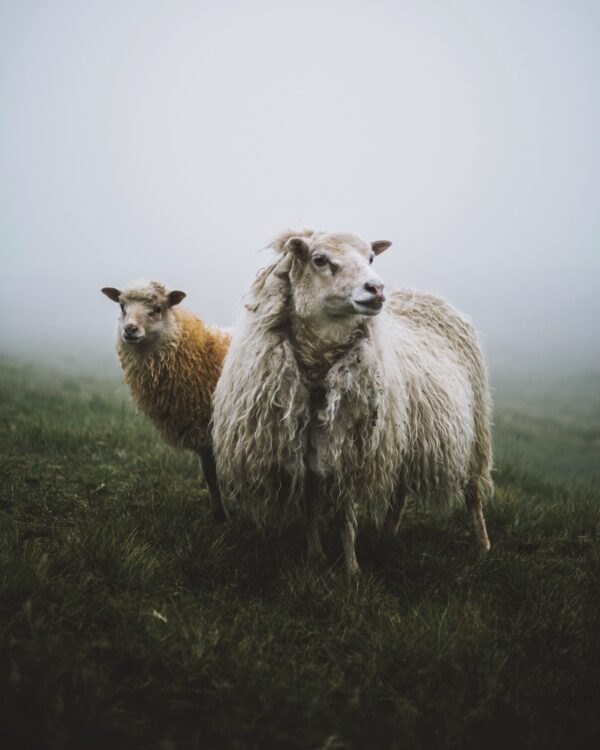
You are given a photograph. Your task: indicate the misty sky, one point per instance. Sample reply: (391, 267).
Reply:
(173, 140)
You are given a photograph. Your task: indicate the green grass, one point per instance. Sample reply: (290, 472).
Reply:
(551, 427)
(128, 620)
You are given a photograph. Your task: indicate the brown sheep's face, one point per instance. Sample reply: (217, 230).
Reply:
(146, 315)
(332, 276)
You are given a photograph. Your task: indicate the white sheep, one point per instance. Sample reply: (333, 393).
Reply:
(171, 362)
(331, 398)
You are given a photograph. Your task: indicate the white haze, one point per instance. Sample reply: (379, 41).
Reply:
(173, 140)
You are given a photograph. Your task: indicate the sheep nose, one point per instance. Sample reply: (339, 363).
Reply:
(375, 289)
(131, 328)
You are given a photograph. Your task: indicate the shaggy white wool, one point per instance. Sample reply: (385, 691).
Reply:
(402, 406)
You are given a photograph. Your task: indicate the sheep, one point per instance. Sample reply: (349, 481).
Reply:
(332, 397)
(171, 362)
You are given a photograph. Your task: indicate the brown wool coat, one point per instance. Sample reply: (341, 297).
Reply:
(173, 384)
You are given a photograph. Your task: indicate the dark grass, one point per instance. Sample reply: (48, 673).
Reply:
(128, 620)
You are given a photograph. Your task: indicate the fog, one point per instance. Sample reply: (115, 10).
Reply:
(174, 140)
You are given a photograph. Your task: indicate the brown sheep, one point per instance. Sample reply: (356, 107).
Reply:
(171, 362)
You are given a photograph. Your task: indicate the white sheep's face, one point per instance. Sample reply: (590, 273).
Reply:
(332, 276)
(146, 316)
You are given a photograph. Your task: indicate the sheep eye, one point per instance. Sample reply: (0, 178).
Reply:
(122, 309)
(371, 259)
(320, 260)
(157, 309)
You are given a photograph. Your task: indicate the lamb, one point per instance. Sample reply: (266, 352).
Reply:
(333, 398)
(171, 362)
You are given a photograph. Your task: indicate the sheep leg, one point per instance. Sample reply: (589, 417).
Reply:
(349, 525)
(311, 493)
(473, 502)
(394, 514)
(209, 469)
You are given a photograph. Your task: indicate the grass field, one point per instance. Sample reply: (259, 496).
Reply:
(128, 620)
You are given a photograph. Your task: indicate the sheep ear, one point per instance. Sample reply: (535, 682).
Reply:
(297, 246)
(379, 246)
(283, 268)
(174, 298)
(111, 293)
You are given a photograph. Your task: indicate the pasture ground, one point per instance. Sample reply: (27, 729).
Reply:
(128, 620)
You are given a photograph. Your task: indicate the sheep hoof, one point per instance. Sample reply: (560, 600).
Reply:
(482, 548)
(352, 570)
(220, 515)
